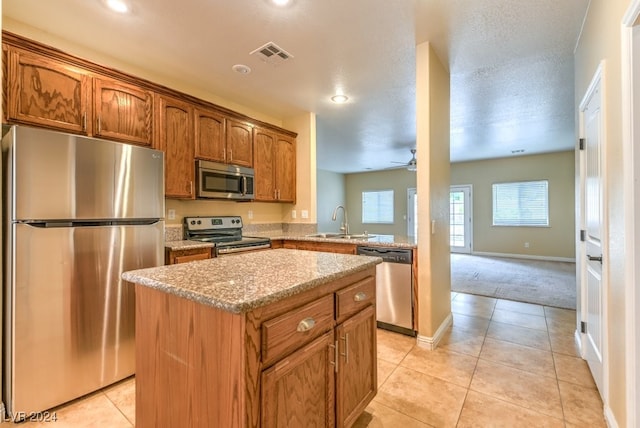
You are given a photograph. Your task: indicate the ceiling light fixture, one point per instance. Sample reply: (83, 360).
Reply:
(280, 2)
(241, 69)
(119, 6)
(339, 98)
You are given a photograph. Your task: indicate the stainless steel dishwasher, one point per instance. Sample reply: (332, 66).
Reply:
(394, 288)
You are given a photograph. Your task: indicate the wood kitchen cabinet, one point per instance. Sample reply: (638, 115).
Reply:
(327, 247)
(210, 135)
(48, 93)
(306, 360)
(172, 257)
(174, 130)
(239, 143)
(275, 165)
(122, 112)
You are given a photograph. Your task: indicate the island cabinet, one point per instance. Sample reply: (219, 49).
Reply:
(172, 257)
(174, 130)
(306, 360)
(328, 247)
(275, 165)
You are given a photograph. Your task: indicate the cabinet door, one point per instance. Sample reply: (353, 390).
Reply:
(239, 143)
(285, 168)
(299, 390)
(264, 145)
(357, 374)
(210, 135)
(123, 112)
(175, 139)
(44, 92)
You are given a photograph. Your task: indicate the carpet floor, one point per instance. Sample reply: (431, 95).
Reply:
(531, 281)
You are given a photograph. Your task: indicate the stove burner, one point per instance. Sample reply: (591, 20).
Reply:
(223, 231)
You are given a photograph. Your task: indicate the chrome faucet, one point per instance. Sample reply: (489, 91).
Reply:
(344, 227)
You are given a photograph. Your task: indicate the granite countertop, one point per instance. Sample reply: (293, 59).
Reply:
(245, 281)
(186, 245)
(374, 240)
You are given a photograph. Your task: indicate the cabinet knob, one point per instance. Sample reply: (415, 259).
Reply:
(306, 324)
(360, 296)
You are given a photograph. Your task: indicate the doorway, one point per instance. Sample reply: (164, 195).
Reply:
(460, 219)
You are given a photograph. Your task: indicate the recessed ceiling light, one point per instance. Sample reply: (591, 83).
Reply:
(281, 2)
(241, 69)
(339, 99)
(119, 6)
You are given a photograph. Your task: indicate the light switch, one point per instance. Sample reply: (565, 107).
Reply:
(250, 214)
(293, 213)
(304, 214)
(171, 215)
(433, 227)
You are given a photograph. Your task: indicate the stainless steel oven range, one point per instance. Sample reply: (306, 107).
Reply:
(223, 231)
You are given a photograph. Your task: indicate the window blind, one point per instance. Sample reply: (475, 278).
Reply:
(521, 203)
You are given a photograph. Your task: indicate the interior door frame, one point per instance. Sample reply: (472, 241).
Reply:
(597, 83)
(469, 205)
(631, 158)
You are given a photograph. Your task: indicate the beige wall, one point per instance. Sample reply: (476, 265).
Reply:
(433, 178)
(600, 40)
(555, 241)
(398, 180)
(304, 125)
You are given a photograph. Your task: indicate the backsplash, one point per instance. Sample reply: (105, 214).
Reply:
(172, 232)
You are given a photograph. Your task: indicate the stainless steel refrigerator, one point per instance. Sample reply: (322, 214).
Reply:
(78, 212)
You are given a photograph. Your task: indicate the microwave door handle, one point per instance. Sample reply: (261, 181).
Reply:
(244, 185)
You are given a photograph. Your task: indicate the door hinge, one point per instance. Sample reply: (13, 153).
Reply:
(583, 327)
(583, 235)
(581, 143)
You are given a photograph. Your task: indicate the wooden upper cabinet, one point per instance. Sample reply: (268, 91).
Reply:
(123, 112)
(210, 135)
(264, 164)
(174, 124)
(285, 169)
(275, 166)
(239, 139)
(48, 93)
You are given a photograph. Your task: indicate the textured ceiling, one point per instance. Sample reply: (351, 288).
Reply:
(511, 64)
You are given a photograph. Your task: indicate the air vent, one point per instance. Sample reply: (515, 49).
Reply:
(272, 54)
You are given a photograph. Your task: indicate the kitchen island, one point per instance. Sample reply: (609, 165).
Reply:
(268, 338)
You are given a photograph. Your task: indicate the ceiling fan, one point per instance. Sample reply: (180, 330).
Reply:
(413, 162)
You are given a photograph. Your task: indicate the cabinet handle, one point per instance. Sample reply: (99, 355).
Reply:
(346, 348)
(360, 296)
(190, 187)
(84, 121)
(230, 155)
(275, 194)
(306, 324)
(334, 363)
(99, 125)
(224, 154)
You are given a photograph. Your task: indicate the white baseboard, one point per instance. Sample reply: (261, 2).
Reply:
(609, 417)
(525, 256)
(431, 343)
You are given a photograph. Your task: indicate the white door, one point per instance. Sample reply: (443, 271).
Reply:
(592, 278)
(460, 219)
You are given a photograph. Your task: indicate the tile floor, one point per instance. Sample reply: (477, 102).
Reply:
(502, 364)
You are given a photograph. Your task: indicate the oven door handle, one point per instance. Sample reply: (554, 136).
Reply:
(231, 250)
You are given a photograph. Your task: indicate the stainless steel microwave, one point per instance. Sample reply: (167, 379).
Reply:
(221, 181)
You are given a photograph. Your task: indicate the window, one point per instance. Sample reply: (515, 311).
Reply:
(521, 204)
(377, 206)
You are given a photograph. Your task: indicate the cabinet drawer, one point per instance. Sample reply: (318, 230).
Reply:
(290, 331)
(355, 297)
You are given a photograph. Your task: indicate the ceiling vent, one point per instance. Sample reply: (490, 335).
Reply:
(272, 54)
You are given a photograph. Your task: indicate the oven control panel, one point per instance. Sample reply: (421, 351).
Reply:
(209, 223)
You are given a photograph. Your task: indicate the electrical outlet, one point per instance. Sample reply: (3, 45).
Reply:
(526, 245)
(293, 213)
(304, 214)
(250, 214)
(171, 215)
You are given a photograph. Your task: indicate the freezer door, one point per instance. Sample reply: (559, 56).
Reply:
(62, 176)
(72, 317)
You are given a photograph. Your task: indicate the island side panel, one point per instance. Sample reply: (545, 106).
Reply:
(189, 363)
